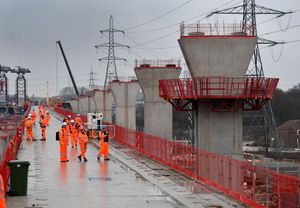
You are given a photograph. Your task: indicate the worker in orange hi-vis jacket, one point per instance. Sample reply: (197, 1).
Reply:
(2, 193)
(44, 109)
(83, 140)
(28, 129)
(40, 114)
(63, 142)
(78, 119)
(33, 116)
(43, 125)
(48, 117)
(104, 149)
(74, 131)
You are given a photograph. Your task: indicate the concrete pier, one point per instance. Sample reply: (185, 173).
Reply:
(158, 115)
(104, 100)
(125, 94)
(229, 56)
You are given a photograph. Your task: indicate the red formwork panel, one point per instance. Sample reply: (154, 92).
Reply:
(227, 93)
(218, 87)
(250, 184)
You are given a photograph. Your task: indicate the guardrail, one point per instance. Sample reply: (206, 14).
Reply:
(66, 112)
(218, 87)
(12, 130)
(253, 185)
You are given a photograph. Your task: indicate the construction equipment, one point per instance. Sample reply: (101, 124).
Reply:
(21, 84)
(68, 67)
(3, 83)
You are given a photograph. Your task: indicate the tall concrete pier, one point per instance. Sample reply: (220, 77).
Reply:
(217, 55)
(158, 116)
(105, 100)
(125, 94)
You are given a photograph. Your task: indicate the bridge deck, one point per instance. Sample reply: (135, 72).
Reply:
(127, 180)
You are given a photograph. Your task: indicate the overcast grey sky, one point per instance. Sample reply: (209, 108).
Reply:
(30, 28)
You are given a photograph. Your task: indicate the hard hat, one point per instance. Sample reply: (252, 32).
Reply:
(78, 114)
(72, 121)
(29, 114)
(47, 112)
(29, 117)
(64, 123)
(69, 116)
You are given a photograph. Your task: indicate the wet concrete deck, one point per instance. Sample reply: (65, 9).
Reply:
(128, 180)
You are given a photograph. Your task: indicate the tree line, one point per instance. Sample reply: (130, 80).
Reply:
(286, 104)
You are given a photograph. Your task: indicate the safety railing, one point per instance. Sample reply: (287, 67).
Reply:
(218, 87)
(144, 63)
(253, 185)
(217, 29)
(66, 112)
(12, 130)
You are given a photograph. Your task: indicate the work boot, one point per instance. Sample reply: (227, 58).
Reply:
(106, 158)
(98, 158)
(85, 160)
(79, 157)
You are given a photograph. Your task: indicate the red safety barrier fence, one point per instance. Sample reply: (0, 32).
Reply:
(253, 185)
(66, 112)
(12, 130)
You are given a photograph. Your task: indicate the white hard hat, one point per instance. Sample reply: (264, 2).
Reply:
(29, 117)
(64, 123)
(29, 114)
(72, 121)
(69, 116)
(78, 114)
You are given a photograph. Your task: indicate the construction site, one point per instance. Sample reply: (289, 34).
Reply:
(201, 129)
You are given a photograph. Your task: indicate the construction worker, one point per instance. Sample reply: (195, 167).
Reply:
(78, 119)
(104, 138)
(63, 142)
(74, 130)
(40, 114)
(83, 140)
(33, 116)
(44, 109)
(2, 193)
(28, 129)
(43, 125)
(68, 120)
(47, 116)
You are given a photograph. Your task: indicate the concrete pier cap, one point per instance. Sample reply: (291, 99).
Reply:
(158, 115)
(217, 50)
(125, 92)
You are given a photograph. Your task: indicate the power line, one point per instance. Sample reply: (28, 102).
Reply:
(141, 9)
(156, 39)
(186, 20)
(161, 16)
(280, 30)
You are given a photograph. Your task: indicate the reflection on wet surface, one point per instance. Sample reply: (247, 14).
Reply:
(77, 184)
